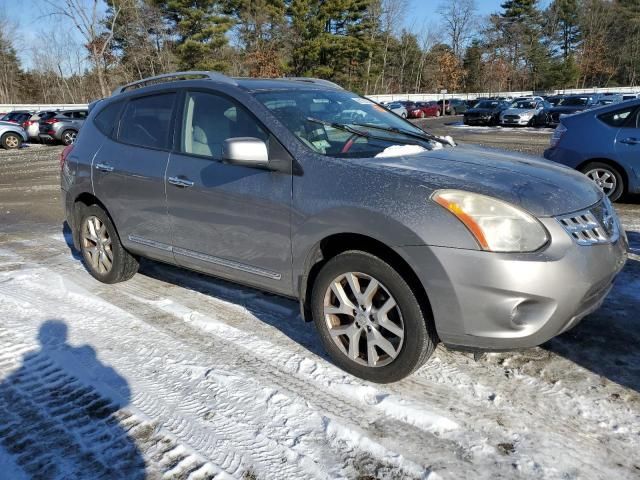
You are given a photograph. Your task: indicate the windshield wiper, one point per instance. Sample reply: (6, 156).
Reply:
(421, 136)
(355, 131)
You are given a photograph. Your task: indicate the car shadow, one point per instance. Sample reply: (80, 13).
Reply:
(55, 424)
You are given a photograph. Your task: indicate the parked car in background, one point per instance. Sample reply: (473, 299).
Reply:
(12, 135)
(397, 108)
(257, 181)
(629, 96)
(452, 106)
(568, 105)
(604, 144)
(32, 124)
(17, 116)
(423, 109)
(553, 100)
(524, 111)
(485, 112)
(608, 100)
(63, 127)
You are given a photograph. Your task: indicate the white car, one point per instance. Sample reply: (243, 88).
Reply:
(524, 111)
(397, 108)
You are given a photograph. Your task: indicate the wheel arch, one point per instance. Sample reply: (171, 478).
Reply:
(337, 243)
(83, 200)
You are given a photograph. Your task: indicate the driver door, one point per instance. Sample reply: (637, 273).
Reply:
(227, 220)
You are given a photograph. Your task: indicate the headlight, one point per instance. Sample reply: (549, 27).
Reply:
(496, 225)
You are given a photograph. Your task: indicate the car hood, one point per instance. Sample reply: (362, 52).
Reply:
(518, 111)
(541, 187)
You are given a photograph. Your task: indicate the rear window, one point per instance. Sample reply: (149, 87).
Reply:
(617, 118)
(107, 119)
(146, 121)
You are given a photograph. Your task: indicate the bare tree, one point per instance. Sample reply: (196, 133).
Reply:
(392, 15)
(460, 19)
(89, 20)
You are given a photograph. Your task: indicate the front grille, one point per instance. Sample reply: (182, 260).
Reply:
(512, 117)
(595, 226)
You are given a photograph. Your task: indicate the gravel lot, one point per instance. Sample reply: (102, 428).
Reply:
(178, 375)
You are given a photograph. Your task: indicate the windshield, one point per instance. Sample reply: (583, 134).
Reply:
(524, 104)
(573, 101)
(341, 124)
(486, 104)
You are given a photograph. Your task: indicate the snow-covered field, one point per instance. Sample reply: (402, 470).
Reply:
(180, 376)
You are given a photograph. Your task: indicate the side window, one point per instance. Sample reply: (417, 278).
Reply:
(209, 119)
(80, 115)
(106, 121)
(146, 121)
(617, 118)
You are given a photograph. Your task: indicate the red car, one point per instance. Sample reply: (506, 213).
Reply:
(423, 109)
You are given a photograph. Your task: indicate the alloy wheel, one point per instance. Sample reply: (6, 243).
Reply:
(605, 179)
(69, 137)
(11, 141)
(97, 245)
(363, 319)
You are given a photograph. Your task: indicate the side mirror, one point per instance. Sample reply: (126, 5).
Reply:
(246, 152)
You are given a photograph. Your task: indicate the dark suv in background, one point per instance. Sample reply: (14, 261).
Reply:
(391, 238)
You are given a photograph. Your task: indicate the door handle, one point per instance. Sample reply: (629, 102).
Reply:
(180, 182)
(103, 167)
(630, 141)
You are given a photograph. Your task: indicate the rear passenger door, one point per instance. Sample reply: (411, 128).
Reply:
(228, 220)
(128, 173)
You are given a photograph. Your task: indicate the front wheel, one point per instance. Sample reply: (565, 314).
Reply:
(607, 177)
(11, 141)
(369, 318)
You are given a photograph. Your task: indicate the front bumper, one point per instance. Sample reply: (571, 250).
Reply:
(494, 301)
(514, 122)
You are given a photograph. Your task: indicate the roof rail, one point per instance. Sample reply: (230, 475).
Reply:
(317, 81)
(217, 76)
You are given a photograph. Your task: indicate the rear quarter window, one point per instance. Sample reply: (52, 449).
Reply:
(107, 119)
(617, 118)
(146, 121)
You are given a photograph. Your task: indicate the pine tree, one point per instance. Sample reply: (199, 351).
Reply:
(200, 27)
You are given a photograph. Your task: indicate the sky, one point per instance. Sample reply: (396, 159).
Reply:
(31, 21)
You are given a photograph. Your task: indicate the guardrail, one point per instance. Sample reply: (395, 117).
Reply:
(9, 107)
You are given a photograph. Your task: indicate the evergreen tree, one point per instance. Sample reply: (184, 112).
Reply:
(200, 27)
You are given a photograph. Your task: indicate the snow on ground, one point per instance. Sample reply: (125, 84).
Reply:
(177, 375)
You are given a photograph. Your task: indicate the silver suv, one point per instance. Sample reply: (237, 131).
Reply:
(63, 127)
(392, 239)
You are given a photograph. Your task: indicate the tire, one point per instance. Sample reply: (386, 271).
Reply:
(123, 264)
(410, 350)
(11, 141)
(68, 137)
(604, 175)
(404, 115)
(422, 115)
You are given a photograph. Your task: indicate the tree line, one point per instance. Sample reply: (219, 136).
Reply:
(368, 46)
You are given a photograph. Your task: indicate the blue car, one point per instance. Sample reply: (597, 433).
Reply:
(604, 144)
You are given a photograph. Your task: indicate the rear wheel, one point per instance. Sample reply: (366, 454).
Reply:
(11, 141)
(369, 319)
(69, 137)
(607, 177)
(103, 254)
